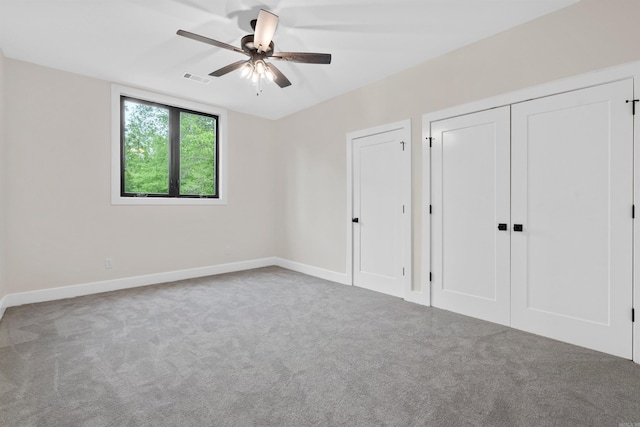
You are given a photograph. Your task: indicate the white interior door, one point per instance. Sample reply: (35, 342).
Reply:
(379, 187)
(572, 193)
(470, 199)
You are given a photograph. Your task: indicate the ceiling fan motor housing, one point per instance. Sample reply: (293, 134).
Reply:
(249, 47)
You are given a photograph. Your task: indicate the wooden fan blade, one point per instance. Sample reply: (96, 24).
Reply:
(303, 57)
(280, 78)
(229, 68)
(207, 40)
(265, 29)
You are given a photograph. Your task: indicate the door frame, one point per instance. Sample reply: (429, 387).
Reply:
(594, 78)
(405, 127)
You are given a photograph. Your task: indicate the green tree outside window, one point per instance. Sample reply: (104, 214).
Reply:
(162, 162)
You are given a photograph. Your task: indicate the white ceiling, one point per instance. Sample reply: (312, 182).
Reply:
(134, 42)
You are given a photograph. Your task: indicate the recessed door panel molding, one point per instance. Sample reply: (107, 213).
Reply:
(378, 207)
(380, 210)
(572, 192)
(470, 182)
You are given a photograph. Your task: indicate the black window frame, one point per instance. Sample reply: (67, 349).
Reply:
(174, 151)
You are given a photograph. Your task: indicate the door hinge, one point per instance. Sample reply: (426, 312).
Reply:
(633, 315)
(402, 208)
(633, 105)
(430, 209)
(430, 277)
(403, 271)
(633, 211)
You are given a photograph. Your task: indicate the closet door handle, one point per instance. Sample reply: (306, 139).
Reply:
(502, 227)
(517, 227)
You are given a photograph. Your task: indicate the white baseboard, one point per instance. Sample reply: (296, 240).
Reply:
(3, 306)
(342, 278)
(312, 271)
(415, 297)
(422, 297)
(12, 300)
(20, 298)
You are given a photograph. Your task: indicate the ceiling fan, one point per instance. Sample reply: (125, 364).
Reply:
(259, 47)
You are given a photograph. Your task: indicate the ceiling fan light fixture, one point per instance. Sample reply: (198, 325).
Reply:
(247, 70)
(260, 67)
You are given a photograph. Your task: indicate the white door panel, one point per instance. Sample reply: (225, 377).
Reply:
(378, 204)
(572, 175)
(470, 193)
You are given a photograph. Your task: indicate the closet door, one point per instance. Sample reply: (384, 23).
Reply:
(572, 196)
(470, 214)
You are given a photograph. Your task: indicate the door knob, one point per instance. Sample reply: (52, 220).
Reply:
(502, 227)
(355, 220)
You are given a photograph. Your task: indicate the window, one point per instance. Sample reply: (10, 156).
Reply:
(166, 151)
(169, 151)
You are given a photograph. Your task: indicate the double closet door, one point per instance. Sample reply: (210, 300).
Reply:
(532, 216)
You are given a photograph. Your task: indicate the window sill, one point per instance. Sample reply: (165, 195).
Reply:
(166, 201)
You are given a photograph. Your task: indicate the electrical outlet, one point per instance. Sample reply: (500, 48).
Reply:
(108, 263)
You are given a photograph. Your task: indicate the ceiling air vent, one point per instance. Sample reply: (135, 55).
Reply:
(203, 80)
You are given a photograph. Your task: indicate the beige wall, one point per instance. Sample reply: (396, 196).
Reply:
(2, 177)
(287, 182)
(311, 172)
(61, 221)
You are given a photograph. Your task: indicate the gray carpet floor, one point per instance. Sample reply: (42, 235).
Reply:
(271, 347)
